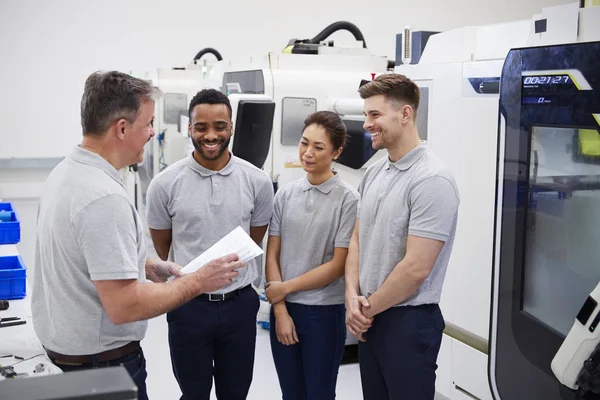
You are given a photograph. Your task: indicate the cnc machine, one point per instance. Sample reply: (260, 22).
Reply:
(539, 254)
(310, 75)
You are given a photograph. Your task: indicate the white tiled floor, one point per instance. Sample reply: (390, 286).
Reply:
(162, 384)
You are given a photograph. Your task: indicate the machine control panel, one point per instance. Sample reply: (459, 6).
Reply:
(594, 323)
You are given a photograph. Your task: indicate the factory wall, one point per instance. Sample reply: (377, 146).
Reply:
(48, 48)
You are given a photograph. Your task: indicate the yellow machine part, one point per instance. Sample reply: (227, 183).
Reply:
(589, 142)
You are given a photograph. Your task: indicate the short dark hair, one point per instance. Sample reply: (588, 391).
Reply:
(395, 87)
(333, 125)
(210, 96)
(110, 96)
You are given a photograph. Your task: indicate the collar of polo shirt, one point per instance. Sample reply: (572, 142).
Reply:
(208, 172)
(324, 187)
(410, 158)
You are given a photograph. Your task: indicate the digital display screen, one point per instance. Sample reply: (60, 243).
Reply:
(548, 90)
(537, 100)
(532, 81)
(547, 100)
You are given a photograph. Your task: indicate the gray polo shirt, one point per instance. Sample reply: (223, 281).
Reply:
(312, 221)
(87, 230)
(201, 206)
(417, 196)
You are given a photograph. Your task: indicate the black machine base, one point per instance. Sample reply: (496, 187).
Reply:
(589, 378)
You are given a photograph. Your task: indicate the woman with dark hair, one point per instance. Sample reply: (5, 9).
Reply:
(308, 243)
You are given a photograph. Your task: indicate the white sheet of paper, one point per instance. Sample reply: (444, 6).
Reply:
(237, 241)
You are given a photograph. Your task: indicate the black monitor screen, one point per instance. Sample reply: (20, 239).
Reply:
(252, 134)
(358, 148)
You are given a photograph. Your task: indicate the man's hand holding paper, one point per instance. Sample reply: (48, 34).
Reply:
(219, 273)
(235, 242)
(217, 266)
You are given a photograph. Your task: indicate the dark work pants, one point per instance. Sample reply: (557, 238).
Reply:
(214, 339)
(308, 370)
(134, 363)
(399, 359)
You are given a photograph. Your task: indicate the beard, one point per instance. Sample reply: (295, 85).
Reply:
(200, 150)
(380, 145)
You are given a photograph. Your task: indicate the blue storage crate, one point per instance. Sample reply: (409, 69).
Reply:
(12, 278)
(10, 230)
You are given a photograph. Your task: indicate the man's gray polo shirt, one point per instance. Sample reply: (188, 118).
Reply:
(88, 230)
(312, 221)
(417, 196)
(201, 206)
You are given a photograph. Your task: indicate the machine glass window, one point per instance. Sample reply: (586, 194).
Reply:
(294, 111)
(249, 82)
(175, 104)
(562, 248)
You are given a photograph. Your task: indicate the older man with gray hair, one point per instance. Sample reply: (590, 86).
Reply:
(91, 298)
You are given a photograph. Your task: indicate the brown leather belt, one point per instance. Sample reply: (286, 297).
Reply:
(108, 355)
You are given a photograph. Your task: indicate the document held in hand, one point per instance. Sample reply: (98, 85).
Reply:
(237, 241)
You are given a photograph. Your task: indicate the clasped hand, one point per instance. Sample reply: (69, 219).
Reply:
(276, 291)
(357, 321)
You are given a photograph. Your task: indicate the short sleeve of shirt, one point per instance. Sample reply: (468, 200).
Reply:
(263, 204)
(347, 222)
(360, 195)
(433, 208)
(106, 233)
(157, 210)
(275, 227)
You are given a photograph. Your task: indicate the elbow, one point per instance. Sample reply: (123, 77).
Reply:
(419, 272)
(162, 254)
(118, 317)
(121, 300)
(162, 248)
(120, 314)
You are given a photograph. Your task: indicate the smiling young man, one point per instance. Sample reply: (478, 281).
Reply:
(192, 205)
(400, 249)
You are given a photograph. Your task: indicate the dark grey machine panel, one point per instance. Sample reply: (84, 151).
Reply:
(96, 384)
(547, 227)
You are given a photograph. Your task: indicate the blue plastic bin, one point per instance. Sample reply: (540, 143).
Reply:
(10, 231)
(12, 278)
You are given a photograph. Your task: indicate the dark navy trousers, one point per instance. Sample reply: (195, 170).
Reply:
(217, 340)
(134, 363)
(399, 359)
(308, 370)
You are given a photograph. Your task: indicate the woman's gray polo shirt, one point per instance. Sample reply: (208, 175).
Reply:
(312, 221)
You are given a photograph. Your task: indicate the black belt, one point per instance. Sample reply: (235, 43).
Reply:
(221, 296)
(108, 355)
